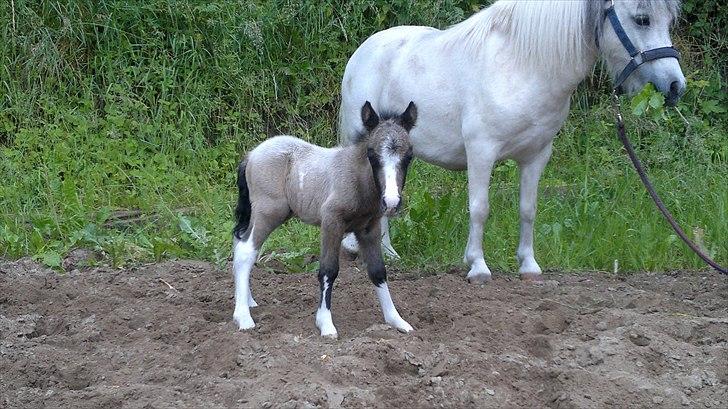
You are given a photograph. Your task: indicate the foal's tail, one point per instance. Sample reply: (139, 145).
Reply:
(242, 211)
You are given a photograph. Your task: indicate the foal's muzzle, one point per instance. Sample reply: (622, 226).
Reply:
(391, 206)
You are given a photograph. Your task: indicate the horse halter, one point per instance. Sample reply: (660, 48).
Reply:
(637, 58)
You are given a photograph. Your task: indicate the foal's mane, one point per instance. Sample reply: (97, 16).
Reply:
(553, 35)
(363, 134)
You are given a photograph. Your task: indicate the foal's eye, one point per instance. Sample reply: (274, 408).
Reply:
(642, 20)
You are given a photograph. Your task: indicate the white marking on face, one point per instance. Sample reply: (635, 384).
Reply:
(391, 191)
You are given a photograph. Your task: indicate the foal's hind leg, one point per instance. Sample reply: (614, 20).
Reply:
(245, 253)
(372, 255)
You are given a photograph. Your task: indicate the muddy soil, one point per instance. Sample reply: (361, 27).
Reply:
(161, 336)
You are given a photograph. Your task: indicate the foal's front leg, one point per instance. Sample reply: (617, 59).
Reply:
(372, 255)
(332, 231)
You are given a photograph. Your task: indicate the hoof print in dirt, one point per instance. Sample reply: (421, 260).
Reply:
(536, 278)
(639, 339)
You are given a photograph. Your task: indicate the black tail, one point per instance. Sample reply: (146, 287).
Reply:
(242, 211)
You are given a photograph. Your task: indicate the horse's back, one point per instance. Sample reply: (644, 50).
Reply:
(370, 69)
(410, 63)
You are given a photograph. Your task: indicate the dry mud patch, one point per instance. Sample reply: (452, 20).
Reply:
(122, 338)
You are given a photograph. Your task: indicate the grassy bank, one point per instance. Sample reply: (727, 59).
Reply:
(121, 124)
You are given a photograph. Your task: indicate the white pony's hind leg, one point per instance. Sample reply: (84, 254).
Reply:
(351, 245)
(530, 175)
(387, 248)
(480, 164)
(244, 255)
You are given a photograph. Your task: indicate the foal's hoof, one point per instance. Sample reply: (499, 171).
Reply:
(404, 328)
(479, 278)
(400, 325)
(532, 277)
(244, 323)
(332, 336)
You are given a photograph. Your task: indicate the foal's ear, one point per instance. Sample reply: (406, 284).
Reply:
(409, 116)
(369, 117)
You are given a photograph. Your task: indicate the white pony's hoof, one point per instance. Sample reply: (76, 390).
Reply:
(389, 252)
(478, 278)
(479, 273)
(244, 322)
(529, 267)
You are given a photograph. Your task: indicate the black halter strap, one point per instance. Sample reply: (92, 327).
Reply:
(637, 57)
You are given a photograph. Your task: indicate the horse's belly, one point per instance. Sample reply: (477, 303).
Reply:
(447, 151)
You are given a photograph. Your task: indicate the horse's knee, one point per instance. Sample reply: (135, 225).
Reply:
(479, 209)
(378, 275)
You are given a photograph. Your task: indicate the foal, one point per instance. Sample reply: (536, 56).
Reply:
(342, 189)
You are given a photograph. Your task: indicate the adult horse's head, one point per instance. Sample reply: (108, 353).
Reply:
(634, 40)
(389, 151)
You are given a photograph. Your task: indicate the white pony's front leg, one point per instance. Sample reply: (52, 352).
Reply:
(480, 165)
(387, 248)
(530, 175)
(244, 255)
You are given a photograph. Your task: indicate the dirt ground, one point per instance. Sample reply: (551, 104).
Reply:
(161, 336)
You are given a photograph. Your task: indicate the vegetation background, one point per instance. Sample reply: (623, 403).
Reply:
(121, 124)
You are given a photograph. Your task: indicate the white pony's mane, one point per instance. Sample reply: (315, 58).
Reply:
(546, 34)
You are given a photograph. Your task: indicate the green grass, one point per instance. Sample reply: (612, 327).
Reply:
(107, 107)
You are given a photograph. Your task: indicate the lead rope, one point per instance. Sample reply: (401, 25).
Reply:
(651, 190)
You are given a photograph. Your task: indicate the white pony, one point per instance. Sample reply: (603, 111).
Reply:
(498, 85)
